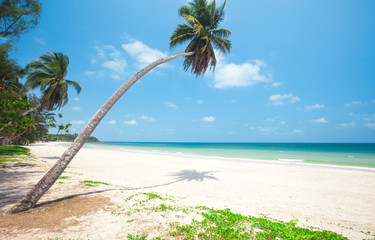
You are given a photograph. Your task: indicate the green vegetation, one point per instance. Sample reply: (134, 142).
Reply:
(67, 138)
(12, 150)
(89, 183)
(208, 223)
(17, 17)
(25, 118)
(15, 154)
(224, 224)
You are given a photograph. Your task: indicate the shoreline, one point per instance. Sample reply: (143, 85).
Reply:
(329, 198)
(234, 159)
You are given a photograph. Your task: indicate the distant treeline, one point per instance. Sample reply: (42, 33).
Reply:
(67, 138)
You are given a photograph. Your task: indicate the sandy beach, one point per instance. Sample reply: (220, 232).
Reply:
(331, 198)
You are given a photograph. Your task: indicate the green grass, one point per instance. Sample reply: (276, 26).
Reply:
(64, 177)
(224, 224)
(12, 150)
(89, 183)
(212, 224)
(14, 153)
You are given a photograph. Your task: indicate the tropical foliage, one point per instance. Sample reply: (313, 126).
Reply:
(202, 30)
(17, 16)
(67, 138)
(48, 73)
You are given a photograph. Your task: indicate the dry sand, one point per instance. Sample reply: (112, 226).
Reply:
(332, 198)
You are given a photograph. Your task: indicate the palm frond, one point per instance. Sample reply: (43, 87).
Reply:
(48, 73)
(75, 85)
(223, 33)
(202, 18)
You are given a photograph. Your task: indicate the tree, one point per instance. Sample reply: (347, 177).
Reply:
(17, 16)
(202, 19)
(16, 128)
(10, 72)
(48, 73)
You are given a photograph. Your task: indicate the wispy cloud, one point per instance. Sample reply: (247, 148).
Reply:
(348, 125)
(147, 118)
(298, 131)
(130, 122)
(280, 99)
(142, 53)
(264, 130)
(199, 101)
(276, 84)
(370, 125)
(76, 99)
(320, 120)
(112, 122)
(209, 119)
(111, 61)
(76, 108)
(315, 106)
(77, 122)
(353, 103)
(170, 105)
(39, 40)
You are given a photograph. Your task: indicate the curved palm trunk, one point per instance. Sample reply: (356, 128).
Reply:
(54, 173)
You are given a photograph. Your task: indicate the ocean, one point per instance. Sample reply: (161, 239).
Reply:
(347, 154)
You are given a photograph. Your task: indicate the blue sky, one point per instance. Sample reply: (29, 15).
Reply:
(299, 71)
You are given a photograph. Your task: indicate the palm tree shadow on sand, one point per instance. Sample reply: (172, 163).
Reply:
(183, 175)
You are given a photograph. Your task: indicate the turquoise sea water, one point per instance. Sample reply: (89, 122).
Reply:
(350, 154)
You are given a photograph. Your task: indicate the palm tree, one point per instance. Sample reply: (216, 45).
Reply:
(202, 21)
(202, 31)
(49, 73)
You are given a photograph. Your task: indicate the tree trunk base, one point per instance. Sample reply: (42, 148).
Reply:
(21, 206)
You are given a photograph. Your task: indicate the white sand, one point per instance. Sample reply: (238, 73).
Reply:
(326, 197)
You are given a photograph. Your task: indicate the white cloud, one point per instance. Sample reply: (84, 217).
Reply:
(279, 99)
(315, 106)
(142, 53)
(39, 40)
(266, 131)
(89, 73)
(209, 119)
(320, 120)
(348, 125)
(112, 122)
(147, 118)
(363, 117)
(76, 108)
(282, 122)
(170, 105)
(76, 99)
(353, 103)
(117, 65)
(77, 122)
(276, 84)
(298, 131)
(199, 101)
(238, 75)
(370, 125)
(111, 60)
(131, 122)
(233, 100)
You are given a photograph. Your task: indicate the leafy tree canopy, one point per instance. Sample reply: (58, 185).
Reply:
(17, 16)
